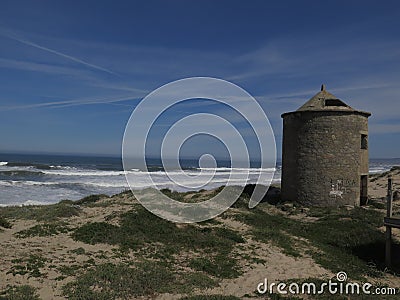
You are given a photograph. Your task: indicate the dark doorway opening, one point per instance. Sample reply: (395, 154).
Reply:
(364, 189)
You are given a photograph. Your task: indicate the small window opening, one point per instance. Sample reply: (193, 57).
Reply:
(334, 102)
(364, 141)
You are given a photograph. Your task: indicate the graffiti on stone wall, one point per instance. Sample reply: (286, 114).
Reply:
(337, 189)
(340, 187)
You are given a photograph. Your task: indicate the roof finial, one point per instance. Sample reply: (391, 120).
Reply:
(322, 87)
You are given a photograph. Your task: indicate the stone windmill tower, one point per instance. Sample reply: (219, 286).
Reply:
(325, 153)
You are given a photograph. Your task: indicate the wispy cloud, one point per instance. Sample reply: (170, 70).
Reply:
(40, 67)
(74, 102)
(118, 87)
(58, 53)
(300, 95)
(298, 62)
(300, 56)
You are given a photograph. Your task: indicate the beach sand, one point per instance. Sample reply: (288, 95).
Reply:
(48, 258)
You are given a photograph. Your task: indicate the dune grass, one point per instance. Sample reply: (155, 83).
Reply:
(346, 239)
(122, 281)
(29, 266)
(46, 229)
(139, 228)
(178, 259)
(90, 199)
(5, 223)
(159, 244)
(41, 213)
(19, 292)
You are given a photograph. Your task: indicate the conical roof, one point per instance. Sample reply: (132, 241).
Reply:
(324, 100)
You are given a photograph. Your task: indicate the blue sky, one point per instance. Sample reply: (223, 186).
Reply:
(71, 73)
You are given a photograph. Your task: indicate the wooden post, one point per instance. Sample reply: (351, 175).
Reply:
(389, 212)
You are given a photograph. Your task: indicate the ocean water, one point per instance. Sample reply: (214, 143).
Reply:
(381, 165)
(45, 179)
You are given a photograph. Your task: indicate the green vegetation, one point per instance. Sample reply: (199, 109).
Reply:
(98, 232)
(156, 256)
(69, 270)
(173, 194)
(45, 229)
(379, 204)
(110, 281)
(78, 251)
(219, 266)
(187, 197)
(191, 196)
(20, 292)
(4, 223)
(90, 199)
(194, 280)
(163, 243)
(30, 265)
(41, 213)
(345, 239)
(140, 230)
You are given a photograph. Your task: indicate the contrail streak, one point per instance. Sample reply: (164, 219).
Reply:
(29, 43)
(66, 103)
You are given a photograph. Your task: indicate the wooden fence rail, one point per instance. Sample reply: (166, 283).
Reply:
(390, 223)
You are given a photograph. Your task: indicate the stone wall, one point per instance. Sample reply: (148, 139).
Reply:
(322, 159)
